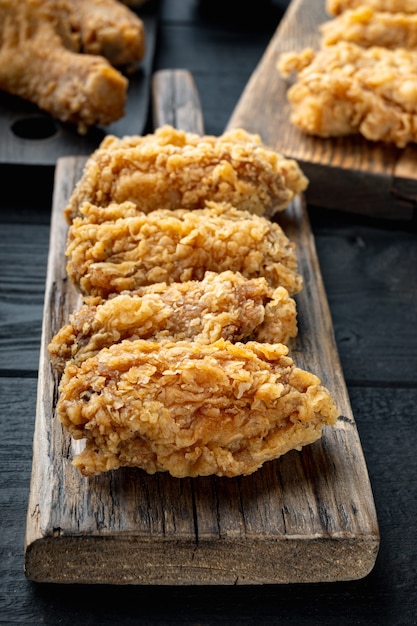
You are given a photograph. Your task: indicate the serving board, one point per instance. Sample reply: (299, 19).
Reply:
(30, 136)
(348, 173)
(306, 517)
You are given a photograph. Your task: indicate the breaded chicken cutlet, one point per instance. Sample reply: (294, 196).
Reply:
(191, 409)
(346, 89)
(366, 27)
(335, 7)
(172, 169)
(133, 250)
(224, 305)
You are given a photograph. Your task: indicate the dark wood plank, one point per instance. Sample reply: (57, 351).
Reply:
(345, 173)
(22, 290)
(226, 45)
(371, 279)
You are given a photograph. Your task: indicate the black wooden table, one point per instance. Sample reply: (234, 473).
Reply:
(370, 273)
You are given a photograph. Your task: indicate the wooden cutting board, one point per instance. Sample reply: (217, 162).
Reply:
(306, 517)
(30, 136)
(348, 173)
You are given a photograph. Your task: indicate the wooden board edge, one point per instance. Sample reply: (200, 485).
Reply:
(136, 561)
(375, 195)
(37, 519)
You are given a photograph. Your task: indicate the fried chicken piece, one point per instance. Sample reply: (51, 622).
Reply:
(224, 305)
(345, 89)
(38, 63)
(108, 28)
(191, 409)
(335, 7)
(135, 249)
(172, 169)
(366, 27)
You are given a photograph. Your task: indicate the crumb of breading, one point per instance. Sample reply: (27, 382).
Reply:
(335, 7)
(346, 89)
(366, 27)
(172, 169)
(191, 409)
(224, 305)
(133, 249)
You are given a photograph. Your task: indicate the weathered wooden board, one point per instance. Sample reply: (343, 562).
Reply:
(345, 173)
(306, 517)
(30, 136)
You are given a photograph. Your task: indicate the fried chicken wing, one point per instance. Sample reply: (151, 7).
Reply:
(335, 7)
(172, 169)
(108, 28)
(38, 62)
(191, 409)
(224, 305)
(366, 27)
(345, 89)
(133, 249)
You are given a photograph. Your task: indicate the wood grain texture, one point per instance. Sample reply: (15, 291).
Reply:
(176, 101)
(347, 173)
(306, 517)
(370, 277)
(22, 294)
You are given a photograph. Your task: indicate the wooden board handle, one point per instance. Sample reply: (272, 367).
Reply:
(176, 101)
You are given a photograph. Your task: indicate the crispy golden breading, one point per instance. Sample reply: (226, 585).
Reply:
(345, 89)
(191, 409)
(175, 246)
(335, 7)
(173, 169)
(224, 305)
(108, 28)
(366, 27)
(38, 62)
